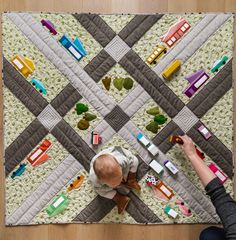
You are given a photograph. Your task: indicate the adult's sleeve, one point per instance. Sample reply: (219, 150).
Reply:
(225, 207)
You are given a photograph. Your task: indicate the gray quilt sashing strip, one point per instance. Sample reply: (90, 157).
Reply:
(22, 88)
(212, 91)
(140, 211)
(162, 138)
(128, 132)
(117, 118)
(65, 100)
(215, 150)
(134, 101)
(97, 27)
(23, 145)
(137, 27)
(63, 61)
(99, 65)
(162, 95)
(43, 194)
(95, 211)
(74, 144)
(193, 40)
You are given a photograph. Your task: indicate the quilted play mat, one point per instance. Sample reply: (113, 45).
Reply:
(75, 84)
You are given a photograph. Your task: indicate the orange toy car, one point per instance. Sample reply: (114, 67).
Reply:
(76, 184)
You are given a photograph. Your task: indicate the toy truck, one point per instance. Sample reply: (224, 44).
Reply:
(75, 48)
(148, 144)
(58, 205)
(39, 156)
(169, 211)
(19, 171)
(171, 69)
(76, 184)
(96, 138)
(204, 131)
(171, 167)
(221, 176)
(156, 166)
(24, 65)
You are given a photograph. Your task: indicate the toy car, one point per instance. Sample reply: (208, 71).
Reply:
(23, 65)
(148, 144)
(156, 166)
(183, 208)
(219, 63)
(171, 69)
(204, 131)
(49, 25)
(196, 80)
(39, 85)
(75, 48)
(77, 183)
(39, 156)
(175, 32)
(58, 205)
(168, 210)
(221, 176)
(19, 171)
(156, 54)
(171, 167)
(96, 138)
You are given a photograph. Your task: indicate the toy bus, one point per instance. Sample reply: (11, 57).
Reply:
(175, 32)
(75, 48)
(39, 156)
(171, 69)
(196, 80)
(220, 175)
(23, 65)
(156, 54)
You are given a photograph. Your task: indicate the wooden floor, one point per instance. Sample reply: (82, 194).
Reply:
(103, 231)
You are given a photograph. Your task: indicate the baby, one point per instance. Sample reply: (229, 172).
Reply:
(113, 174)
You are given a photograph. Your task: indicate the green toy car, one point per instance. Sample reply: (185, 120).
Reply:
(219, 63)
(58, 205)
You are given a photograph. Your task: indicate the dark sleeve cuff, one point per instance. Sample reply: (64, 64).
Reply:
(213, 185)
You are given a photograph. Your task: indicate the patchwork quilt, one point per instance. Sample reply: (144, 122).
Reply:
(71, 77)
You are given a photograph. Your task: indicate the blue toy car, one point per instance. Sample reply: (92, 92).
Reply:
(75, 48)
(19, 171)
(39, 85)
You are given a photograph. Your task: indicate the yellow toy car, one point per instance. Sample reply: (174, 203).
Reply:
(76, 184)
(23, 65)
(171, 69)
(156, 54)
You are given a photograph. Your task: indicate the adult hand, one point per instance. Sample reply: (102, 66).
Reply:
(188, 146)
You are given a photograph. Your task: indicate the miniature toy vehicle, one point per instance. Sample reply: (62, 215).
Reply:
(221, 176)
(75, 48)
(171, 69)
(204, 131)
(49, 25)
(175, 32)
(39, 156)
(23, 65)
(171, 167)
(19, 171)
(77, 183)
(196, 80)
(96, 138)
(39, 85)
(156, 166)
(58, 205)
(183, 208)
(219, 63)
(172, 213)
(156, 54)
(148, 144)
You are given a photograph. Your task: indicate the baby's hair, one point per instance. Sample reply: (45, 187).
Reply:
(105, 166)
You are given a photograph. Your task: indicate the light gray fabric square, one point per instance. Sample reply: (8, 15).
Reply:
(49, 117)
(117, 48)
(185, 119)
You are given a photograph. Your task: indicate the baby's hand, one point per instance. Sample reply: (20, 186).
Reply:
(188, 146)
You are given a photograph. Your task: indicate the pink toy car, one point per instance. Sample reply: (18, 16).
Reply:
(49, 25)
(204, 131)
(221, 176)
(183, 208)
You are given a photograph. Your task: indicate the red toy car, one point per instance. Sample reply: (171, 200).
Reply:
(96, 138)
(39, 156)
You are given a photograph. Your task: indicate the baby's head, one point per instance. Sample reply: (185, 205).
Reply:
(108, 170)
